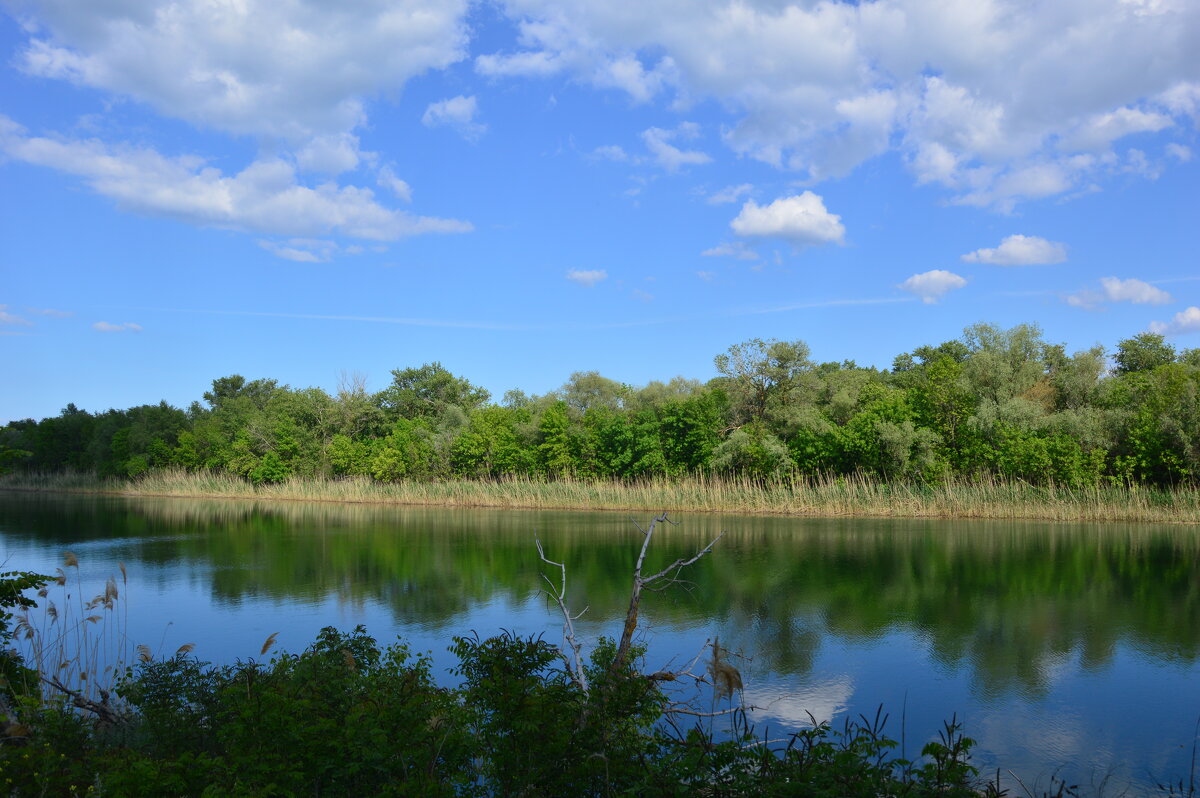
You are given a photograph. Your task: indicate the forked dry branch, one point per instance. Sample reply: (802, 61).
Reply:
(718, 672)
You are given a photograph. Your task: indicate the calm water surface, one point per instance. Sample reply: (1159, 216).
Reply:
(1064, 648)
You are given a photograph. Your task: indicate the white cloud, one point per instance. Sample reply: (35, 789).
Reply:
(1133, 290)
(706, 276)
(730, 194)
(932, 285)
(1097, 133)
(1114, 289)
(1087, 299)
(1179, 152)
(457, 113)
(641, 296)
(265, 197)
(736, 249)
(1020, 250)
(801, 219)
(387, 178)
(331, 154)
(105, 327)
(518, 65)
(1185, 321)
(611, 152)
(669, 156)
(301, 250)
(984, 97)
(284, 69)
(588, 277)
(11, 318)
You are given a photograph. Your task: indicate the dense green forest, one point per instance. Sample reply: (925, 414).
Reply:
(992, 402)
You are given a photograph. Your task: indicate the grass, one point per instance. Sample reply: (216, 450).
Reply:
(856, 495)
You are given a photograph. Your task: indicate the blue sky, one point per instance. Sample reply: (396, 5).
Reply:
(521, 190)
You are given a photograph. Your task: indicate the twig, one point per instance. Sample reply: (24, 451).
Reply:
(104, 713)
(575, 669)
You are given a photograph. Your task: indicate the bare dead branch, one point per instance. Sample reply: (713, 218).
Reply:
(575, 663)
(105, 714)
(640, 582)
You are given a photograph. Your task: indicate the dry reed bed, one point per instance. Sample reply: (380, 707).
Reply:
(846, 496)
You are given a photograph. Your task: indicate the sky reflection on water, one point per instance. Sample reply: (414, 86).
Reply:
(1063, 648)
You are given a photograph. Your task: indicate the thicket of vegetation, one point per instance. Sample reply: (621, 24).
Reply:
(1003, 403)
(349, 717)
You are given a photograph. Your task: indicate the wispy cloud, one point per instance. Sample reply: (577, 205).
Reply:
(729, 194)
(12, 318)
(457, 113)
(736, 249)
(125, 326)
(50, 312)
(588, 277)
(670, 157)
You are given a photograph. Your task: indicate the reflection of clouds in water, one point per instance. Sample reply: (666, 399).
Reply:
(1058, 668)
(792, 706)
(1038, 743)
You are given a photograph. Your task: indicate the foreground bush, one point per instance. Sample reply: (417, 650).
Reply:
(347, 717)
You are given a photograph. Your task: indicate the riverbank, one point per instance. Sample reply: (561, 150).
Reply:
(827, 497)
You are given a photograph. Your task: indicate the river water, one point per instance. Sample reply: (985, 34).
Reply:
(1066, 649)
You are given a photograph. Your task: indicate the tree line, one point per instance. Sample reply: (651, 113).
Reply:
(998, 402)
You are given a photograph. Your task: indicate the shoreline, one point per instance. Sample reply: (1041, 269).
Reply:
(854, 497)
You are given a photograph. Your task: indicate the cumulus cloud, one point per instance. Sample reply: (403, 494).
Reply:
(932, 285)
(982, 97)
(729, 194)
(457, 113)
(1133, 290)
(12, 318)
(735, 249)
(332, 154)
(667, 155)
(265, 197)
(106, 327)
(588, 277)
(801, 219)
(1185, 321)
(1114, 289)
(279, 68)
(1019, 250)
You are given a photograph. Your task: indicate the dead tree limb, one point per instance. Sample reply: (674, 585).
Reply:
(104, 712)
(575, 662)
(640, 582)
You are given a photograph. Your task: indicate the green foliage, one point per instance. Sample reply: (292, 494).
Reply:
(17, 682)
(426, 391)
(995, 403)
(1143, 352)
(346, 717)
(754, 452)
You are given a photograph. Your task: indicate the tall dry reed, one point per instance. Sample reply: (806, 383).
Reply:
(853, 495)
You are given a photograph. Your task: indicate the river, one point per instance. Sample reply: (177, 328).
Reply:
(1068, 649)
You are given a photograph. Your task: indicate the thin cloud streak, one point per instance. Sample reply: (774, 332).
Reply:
(502, 327)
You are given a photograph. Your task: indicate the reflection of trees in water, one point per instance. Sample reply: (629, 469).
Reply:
(1004, 599)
